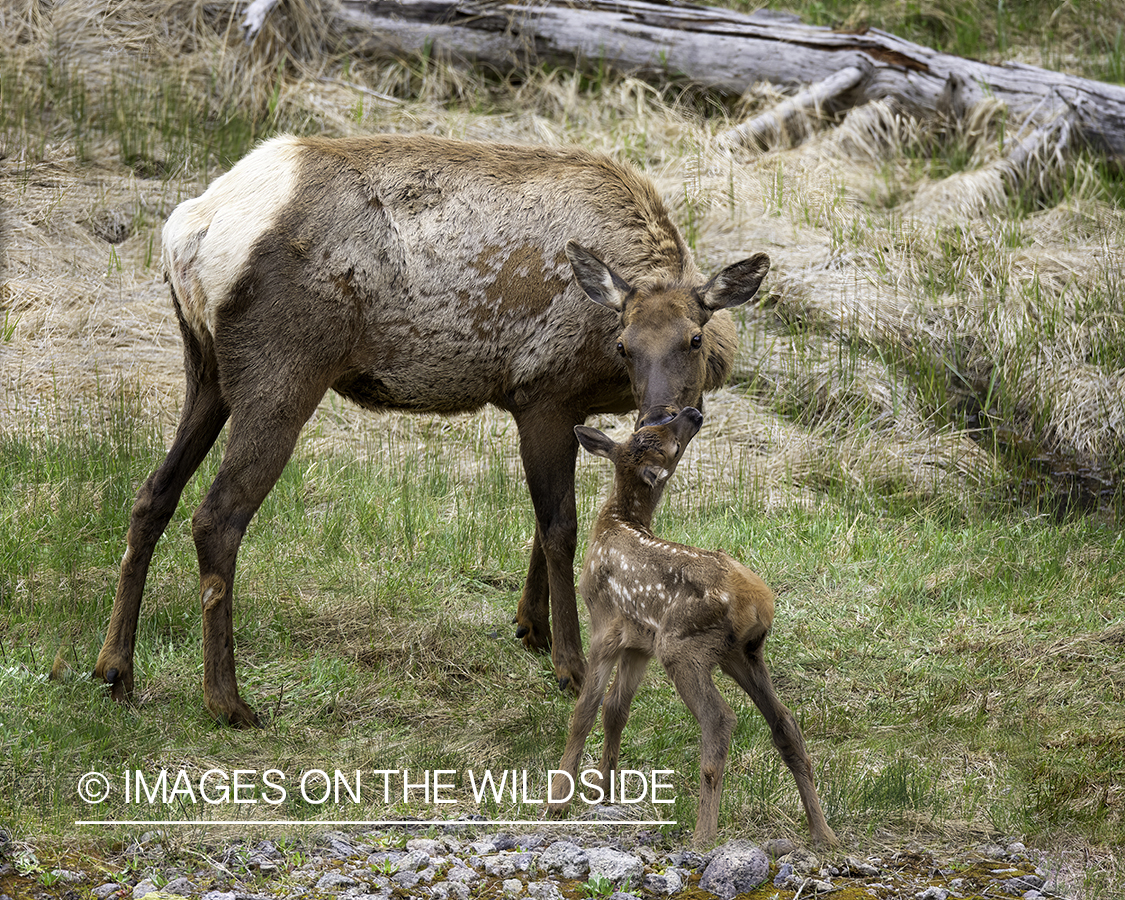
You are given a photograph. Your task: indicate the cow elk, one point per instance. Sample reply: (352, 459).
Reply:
(692, 609)
(420, 274)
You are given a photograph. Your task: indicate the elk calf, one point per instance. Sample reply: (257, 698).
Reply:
(693, 609)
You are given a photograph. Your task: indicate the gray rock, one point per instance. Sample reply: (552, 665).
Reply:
(148, 886)
(566, 859)
(687, 859)
(544, 890)
(405, 880)
(182, 886)
(615, 865)
(512, 886)
(802, 860)
(858, 867)
(335, 881)
(784, 873)
(735, 868)
(667, 883)
(933, 893)
(102, 891)
(427, 845)
(450, 890)
(778, 847)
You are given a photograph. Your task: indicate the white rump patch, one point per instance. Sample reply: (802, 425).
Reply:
(207, 241)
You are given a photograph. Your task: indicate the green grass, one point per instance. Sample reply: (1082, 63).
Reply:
(961, 667)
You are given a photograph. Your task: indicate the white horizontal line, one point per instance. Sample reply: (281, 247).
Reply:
(449, 823)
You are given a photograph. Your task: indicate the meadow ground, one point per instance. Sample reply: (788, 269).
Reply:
(920, 450)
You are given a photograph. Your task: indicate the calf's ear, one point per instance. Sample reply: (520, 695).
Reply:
(599, 281)
(736, 284)
(595, 441)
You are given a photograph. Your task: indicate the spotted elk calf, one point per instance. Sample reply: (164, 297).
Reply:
(416, 273)
(692, 609)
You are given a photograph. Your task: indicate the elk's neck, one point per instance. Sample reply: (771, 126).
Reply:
(634, 508)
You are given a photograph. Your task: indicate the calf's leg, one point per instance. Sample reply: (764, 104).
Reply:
(602, 660)
(716, 719)
(749, 670)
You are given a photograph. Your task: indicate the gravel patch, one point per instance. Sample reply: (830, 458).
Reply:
(473, 862)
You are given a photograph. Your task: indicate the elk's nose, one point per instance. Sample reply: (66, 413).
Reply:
(658, 415)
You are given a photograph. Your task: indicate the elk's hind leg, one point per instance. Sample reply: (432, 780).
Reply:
(262, 436)
(750, 671)
(202, 418)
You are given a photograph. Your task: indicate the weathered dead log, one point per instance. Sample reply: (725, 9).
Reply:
(788, 121)
(728, 52)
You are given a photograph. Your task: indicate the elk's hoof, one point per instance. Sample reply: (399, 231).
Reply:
(533, 639)
(119, 681)
(239, 715)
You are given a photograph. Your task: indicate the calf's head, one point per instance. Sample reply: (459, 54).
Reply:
(667, 349)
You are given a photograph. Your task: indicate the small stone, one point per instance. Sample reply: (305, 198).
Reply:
(566, 859)
(512, 886)
(143, 888)
(182, 886)
(858, 867)
(450, 890)
(778, 847)
(615, 866)
(544, 890)
(102, 891)
(334, 881)
(802, 860)
(426, 845)
(687, 859)
(735, 868)
(667, 883)
(933, 893)
(784, 873)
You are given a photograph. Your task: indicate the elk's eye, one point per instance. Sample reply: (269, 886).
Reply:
(620, 348)
(697, 340)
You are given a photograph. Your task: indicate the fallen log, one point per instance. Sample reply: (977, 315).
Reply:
(728, 52)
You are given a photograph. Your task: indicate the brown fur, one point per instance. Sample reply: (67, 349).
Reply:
(416, 273)
(693, 609)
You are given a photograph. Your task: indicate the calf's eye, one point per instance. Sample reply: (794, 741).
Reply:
(697, 340)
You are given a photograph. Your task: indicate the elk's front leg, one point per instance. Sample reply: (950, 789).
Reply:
(716, 719)
(602, 659)
(533, 615)
(548, 448)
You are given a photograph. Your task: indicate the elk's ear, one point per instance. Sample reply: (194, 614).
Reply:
(736, 284)
(595, 441)
(599, 281)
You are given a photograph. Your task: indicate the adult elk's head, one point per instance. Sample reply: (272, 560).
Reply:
(670, 354)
